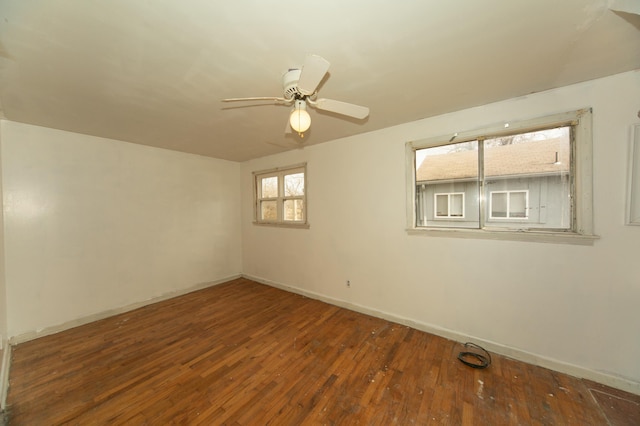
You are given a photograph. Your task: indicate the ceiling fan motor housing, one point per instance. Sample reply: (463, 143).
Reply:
(290, 84)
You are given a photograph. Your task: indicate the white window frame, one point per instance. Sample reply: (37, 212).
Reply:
(633, 179)
(582, 231)
(448, 216)
(508, 217)
(280, 199)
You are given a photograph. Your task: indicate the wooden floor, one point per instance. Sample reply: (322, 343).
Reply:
(242, 353)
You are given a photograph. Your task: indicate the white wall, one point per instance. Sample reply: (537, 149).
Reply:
(3, 287)
(5, 358)
(92, 224)
(574, 308)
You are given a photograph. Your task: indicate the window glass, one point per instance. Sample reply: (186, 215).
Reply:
(449, 205)
(281, 196)
(268, 210)
(527, 179)
(294, 210)
(498, 204)
(442, 205)
(294, 185)
(270, 187)
(446, 177)
(456, 205)
(509, 204)
(518, 204)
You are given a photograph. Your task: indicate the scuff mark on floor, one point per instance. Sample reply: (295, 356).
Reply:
(480, 388)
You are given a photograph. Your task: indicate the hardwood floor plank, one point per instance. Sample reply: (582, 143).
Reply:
(242, 353)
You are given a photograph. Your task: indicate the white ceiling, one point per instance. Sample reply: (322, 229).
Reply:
(154, 72)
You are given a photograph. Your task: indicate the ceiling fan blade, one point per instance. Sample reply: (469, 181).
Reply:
(260, 98)
(343, 108)
(288, 130)
(313, 70)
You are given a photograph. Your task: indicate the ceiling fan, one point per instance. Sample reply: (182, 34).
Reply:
(301, 90)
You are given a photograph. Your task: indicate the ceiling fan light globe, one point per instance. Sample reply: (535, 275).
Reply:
(300, 120)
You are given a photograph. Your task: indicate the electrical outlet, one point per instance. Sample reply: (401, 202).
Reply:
(348, 283)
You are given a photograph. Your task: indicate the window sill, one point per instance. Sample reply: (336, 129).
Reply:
(283, 225)
(531, 236)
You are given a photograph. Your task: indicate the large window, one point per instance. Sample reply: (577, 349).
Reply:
(529, 177)
(280, 196)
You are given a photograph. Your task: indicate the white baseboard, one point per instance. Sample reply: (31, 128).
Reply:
(4, 373)
(518, 354)
(15, 340)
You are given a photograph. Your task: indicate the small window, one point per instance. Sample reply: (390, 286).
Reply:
(509, 204)
(449, 205)
(526, 176)
(280, 196)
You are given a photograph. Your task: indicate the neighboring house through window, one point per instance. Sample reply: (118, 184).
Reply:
(529, 176)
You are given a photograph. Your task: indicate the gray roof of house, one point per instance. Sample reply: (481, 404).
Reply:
(525, 158)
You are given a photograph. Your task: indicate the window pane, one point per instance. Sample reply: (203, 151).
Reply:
(442, 205)
(443, 175)
(268, 210)
(294, 185)
(532, 170)
(456, 201)
(518, 204)
(498, 204)
(294, 210)
(269, 187)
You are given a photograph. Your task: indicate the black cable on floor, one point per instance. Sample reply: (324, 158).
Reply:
(480, 360)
